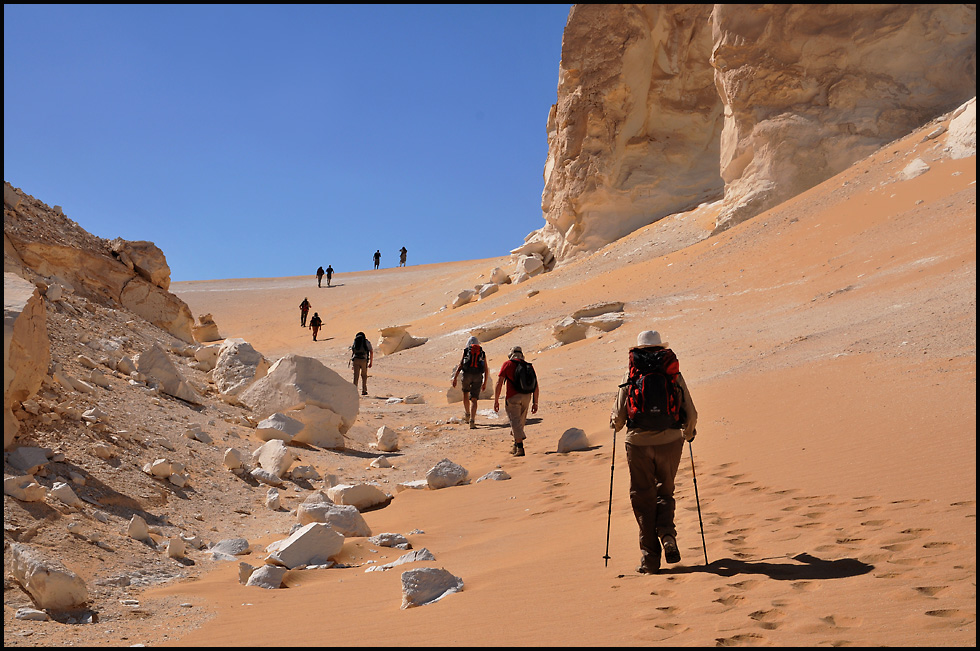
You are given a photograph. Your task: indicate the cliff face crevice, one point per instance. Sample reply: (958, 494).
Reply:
(661, 108)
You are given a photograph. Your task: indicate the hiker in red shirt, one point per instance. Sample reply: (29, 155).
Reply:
(522, 393)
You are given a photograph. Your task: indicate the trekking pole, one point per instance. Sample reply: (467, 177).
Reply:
(612, 470)
(697, 500)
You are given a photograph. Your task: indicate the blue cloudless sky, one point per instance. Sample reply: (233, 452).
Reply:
(255, 141)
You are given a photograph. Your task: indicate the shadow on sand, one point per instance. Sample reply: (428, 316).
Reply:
(807, 567)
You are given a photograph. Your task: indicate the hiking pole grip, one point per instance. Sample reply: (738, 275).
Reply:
(612, 470)
(697, 500)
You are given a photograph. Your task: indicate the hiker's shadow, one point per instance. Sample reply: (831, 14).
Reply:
(807, 567)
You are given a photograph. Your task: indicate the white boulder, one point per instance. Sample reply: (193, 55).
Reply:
(573, 439)
(306, 390)
(445, 474)
(312, 544)
(238, 365)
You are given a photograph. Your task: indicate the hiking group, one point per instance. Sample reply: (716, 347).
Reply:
(516, 373)
(321, 272)
(653, 403)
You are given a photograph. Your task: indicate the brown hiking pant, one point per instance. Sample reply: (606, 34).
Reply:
(360, 369)
(517, 407)
(652, 471)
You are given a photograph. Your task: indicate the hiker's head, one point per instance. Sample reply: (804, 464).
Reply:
(472, 341)
(516, 353)
(359, 334)
(649, 339)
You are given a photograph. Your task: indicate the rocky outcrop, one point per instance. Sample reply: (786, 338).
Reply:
(634, 135)
(664, 107)
(26, 352)
(810, 89)
(42, 245)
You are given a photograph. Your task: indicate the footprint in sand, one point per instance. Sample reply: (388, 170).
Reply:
(841, 621)
(768, 619)
(931, 590)
(805, 586)
(938, 545)
(743, 639)
(729, 600)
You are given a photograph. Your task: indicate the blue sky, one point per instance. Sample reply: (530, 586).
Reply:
(253, 141)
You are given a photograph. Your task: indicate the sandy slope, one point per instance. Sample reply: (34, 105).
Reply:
(830, 346)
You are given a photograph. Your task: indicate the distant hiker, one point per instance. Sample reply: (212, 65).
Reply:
(315, 324)
(522, 392)
(329, 274)
(361, 359)
(403, 255)
(473, 366)
(319, 275)
(304, 308)
(655, 405)
(377, 258)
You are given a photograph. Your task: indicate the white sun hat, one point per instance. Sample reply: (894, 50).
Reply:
(649, 338)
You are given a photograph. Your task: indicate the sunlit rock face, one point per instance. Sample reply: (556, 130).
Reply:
(661, 108)
(810, 89)
(635, 133)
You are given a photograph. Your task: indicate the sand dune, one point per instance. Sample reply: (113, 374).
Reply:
(830, 347)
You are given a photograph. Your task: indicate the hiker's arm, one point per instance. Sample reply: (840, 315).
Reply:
(689, 409)
(496, 392)
(370, 358)
(618, 416)
(486, 374)
(534, 399)
(456, 373)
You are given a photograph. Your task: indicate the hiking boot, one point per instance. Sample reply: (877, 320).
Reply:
(518, 450)
(363, 393)
(644, 569)
(671, 553)
(472, 424)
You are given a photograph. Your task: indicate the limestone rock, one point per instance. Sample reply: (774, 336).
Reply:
(344, 518)
(51, 585)
(278, 426)
(24, 488)
(634, 135)
(810, 89)
(573, 439)
(445, 474)
(396, 338)
(360, 496)
(147, 259)
(962, 136)
(267, 576)
(238, 366)
(387, 439)
(304, 389)
(205, 329)
(312, 544)
(274, 457)
(154, 363)
(426, 585)
(26, 351)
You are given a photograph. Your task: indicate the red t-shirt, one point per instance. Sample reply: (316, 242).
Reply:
(507, 371)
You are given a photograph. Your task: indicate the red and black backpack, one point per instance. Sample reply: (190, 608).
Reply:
(473, 357)
(654, 397)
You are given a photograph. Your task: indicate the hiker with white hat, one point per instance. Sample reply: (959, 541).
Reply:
(475, 372)
(522, 394)
(655, 405)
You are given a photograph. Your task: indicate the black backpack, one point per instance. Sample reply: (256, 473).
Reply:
(360, 346)
(525, 379)
(654, 397)
(473, 358)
